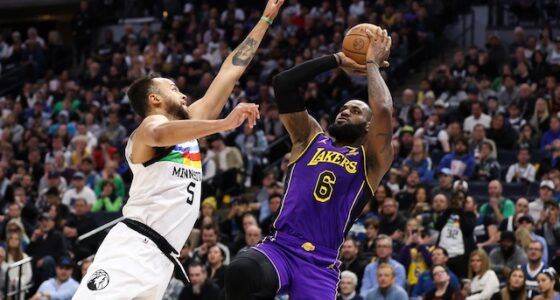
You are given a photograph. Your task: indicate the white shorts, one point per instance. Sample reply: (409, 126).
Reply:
(127, 266)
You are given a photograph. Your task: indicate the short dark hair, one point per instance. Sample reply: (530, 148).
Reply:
(443, 250)
(275, 195)
(138, 95)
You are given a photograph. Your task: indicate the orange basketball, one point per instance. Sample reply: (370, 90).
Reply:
(356, 42)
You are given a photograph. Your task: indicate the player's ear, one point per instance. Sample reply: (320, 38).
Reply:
(154, 100)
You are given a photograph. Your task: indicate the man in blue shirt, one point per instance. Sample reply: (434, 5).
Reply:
(425, 282)
(460, 161)
(386, 288)
(384, 249)
(61, 287)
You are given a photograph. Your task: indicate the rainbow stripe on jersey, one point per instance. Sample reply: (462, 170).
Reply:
(188, 156)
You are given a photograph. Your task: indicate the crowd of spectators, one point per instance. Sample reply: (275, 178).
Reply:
(468, 210)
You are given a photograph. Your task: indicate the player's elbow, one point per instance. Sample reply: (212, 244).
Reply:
(280, 83)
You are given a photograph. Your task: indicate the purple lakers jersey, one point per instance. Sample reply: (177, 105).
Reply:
(326, 190)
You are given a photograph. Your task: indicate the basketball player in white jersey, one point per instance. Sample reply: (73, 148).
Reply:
(137, 258)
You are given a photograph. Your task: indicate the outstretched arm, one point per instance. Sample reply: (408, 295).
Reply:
(379, 152)
(212, 103)
(300, 125)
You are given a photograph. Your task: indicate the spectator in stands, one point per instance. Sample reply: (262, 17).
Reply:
(109, 173)
(498, 207)
(269, 187)
(552, 134)
(484, 282)
(216, 268)
(348, 286)
(460, 161)
(272, 126)
(14, 215)
(200, 286)
(509, 92)
(443, 289)
(387, 286)
(15, 226)
(393, 223)
(445, 183)
(541, 117)
(228, 159)
(456, 228)
(253, 235)
(528, 138)
(108, 201)
(420, 161)
(63, 286)
(536, 207)
(384, 249)
(487, 167)
(210, 236)
(515, 287)
(426, 280)
(547, 284)
(351, 261)
(486, 233)
(509, 255)
(477, 137)
(78, 190)
(407, 196)
(501, 133)
(274, 202)
(47, 245)
(533, 267)
(528, 223)
(522, 171)
(240, 239)
(511, 223)
(549, 227)
(414, 256)
(14, 253)
(477, 117)
(79, 223)
(253, 145)
(368, 246)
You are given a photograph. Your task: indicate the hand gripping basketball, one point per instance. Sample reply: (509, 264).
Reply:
(379, 46)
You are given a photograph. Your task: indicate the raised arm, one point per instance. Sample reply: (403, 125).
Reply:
(212, 103)
(300, 125)
(379, 152)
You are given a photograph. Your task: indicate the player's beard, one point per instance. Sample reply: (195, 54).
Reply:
(347, 133)
(178, 112)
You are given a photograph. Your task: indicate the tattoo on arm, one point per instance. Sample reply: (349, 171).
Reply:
(245, 52)
(387, 137)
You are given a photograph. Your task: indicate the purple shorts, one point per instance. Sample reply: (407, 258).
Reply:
(305, 271)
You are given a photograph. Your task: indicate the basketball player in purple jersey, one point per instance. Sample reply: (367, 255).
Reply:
(330, 179)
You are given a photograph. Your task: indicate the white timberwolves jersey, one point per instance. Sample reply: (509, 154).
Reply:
(165, 191)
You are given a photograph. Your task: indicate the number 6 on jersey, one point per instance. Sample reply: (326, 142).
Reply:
(324, 186)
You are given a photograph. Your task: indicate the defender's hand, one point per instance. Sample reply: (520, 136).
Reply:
(379, 46)
(272, 8)
(242, 112)
(350, 66)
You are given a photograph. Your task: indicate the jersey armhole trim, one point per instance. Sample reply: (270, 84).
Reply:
(158, 156)
(306, 148)
(366, 172)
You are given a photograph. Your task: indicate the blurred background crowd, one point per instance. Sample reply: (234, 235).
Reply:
(468, 210)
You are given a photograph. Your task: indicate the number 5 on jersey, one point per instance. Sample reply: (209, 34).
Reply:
(190, 190)
(324, 186)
